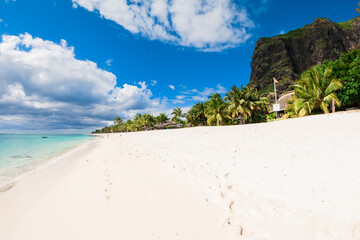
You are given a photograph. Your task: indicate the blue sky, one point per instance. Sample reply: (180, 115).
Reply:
(79, 63)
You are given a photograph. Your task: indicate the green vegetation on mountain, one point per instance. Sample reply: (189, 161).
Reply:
(288, 55)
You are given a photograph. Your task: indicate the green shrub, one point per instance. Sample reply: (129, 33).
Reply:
(347, 69)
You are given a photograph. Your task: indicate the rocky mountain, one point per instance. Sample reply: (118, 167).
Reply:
(286, 56)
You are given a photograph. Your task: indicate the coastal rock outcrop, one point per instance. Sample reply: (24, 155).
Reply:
(287, 56)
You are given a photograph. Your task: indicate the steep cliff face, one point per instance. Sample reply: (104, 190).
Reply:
(286, 56)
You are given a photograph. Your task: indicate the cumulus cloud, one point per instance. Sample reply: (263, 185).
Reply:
(172, 87)
(43, 85)
(204, 24)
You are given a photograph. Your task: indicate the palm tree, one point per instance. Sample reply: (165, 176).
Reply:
(196, 115)
(118, 120)
(246, 105)
(162, 118)
(314, 92)
(129, 126)
(216, 110)
(148, 120)
(200, 110)
(137, 116)
(239, 103)
(137, 123)
(260, 106)
(177, 112)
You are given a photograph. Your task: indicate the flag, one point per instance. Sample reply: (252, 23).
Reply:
(276, 81)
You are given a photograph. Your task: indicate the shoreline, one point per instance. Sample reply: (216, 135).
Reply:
(47, 161)
(285, 180)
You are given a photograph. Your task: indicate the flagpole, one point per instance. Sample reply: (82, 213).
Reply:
(275, 99)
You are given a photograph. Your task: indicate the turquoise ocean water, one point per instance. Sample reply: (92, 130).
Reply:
(20, 154)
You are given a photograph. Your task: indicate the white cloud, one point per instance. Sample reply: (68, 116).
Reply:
(180, 97)
(153, 82)
(1, 20)
(109, 62)
(172, 87)
(204, 24)
(282, 32)
(192, 95)
(190, 91)
(178, 101)
(43, 84)
(204, 95)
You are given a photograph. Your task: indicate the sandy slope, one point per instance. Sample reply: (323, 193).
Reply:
(294, 179)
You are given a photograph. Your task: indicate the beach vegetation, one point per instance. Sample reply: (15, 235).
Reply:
(239, 106)
(246, 105)
(338, 80)
(196, 115)
(314, 92)
(162, 118)
(147, 120)
(271, 117)
(216, 110)
(178, 114)
(347, 69)
(118, 121)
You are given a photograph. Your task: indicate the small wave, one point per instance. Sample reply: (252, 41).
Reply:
(21, 156)
(7, 187)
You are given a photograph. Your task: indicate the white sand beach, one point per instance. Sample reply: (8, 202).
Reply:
(292, 179)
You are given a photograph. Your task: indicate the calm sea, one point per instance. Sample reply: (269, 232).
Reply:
(20, 154)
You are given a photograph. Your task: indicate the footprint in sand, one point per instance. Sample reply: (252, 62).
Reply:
(233, 223)
(235, 206)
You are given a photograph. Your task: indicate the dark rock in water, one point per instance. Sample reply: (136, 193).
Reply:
(44, 137)
(286, 56)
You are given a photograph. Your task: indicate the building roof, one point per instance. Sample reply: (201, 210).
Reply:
(284, 98)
